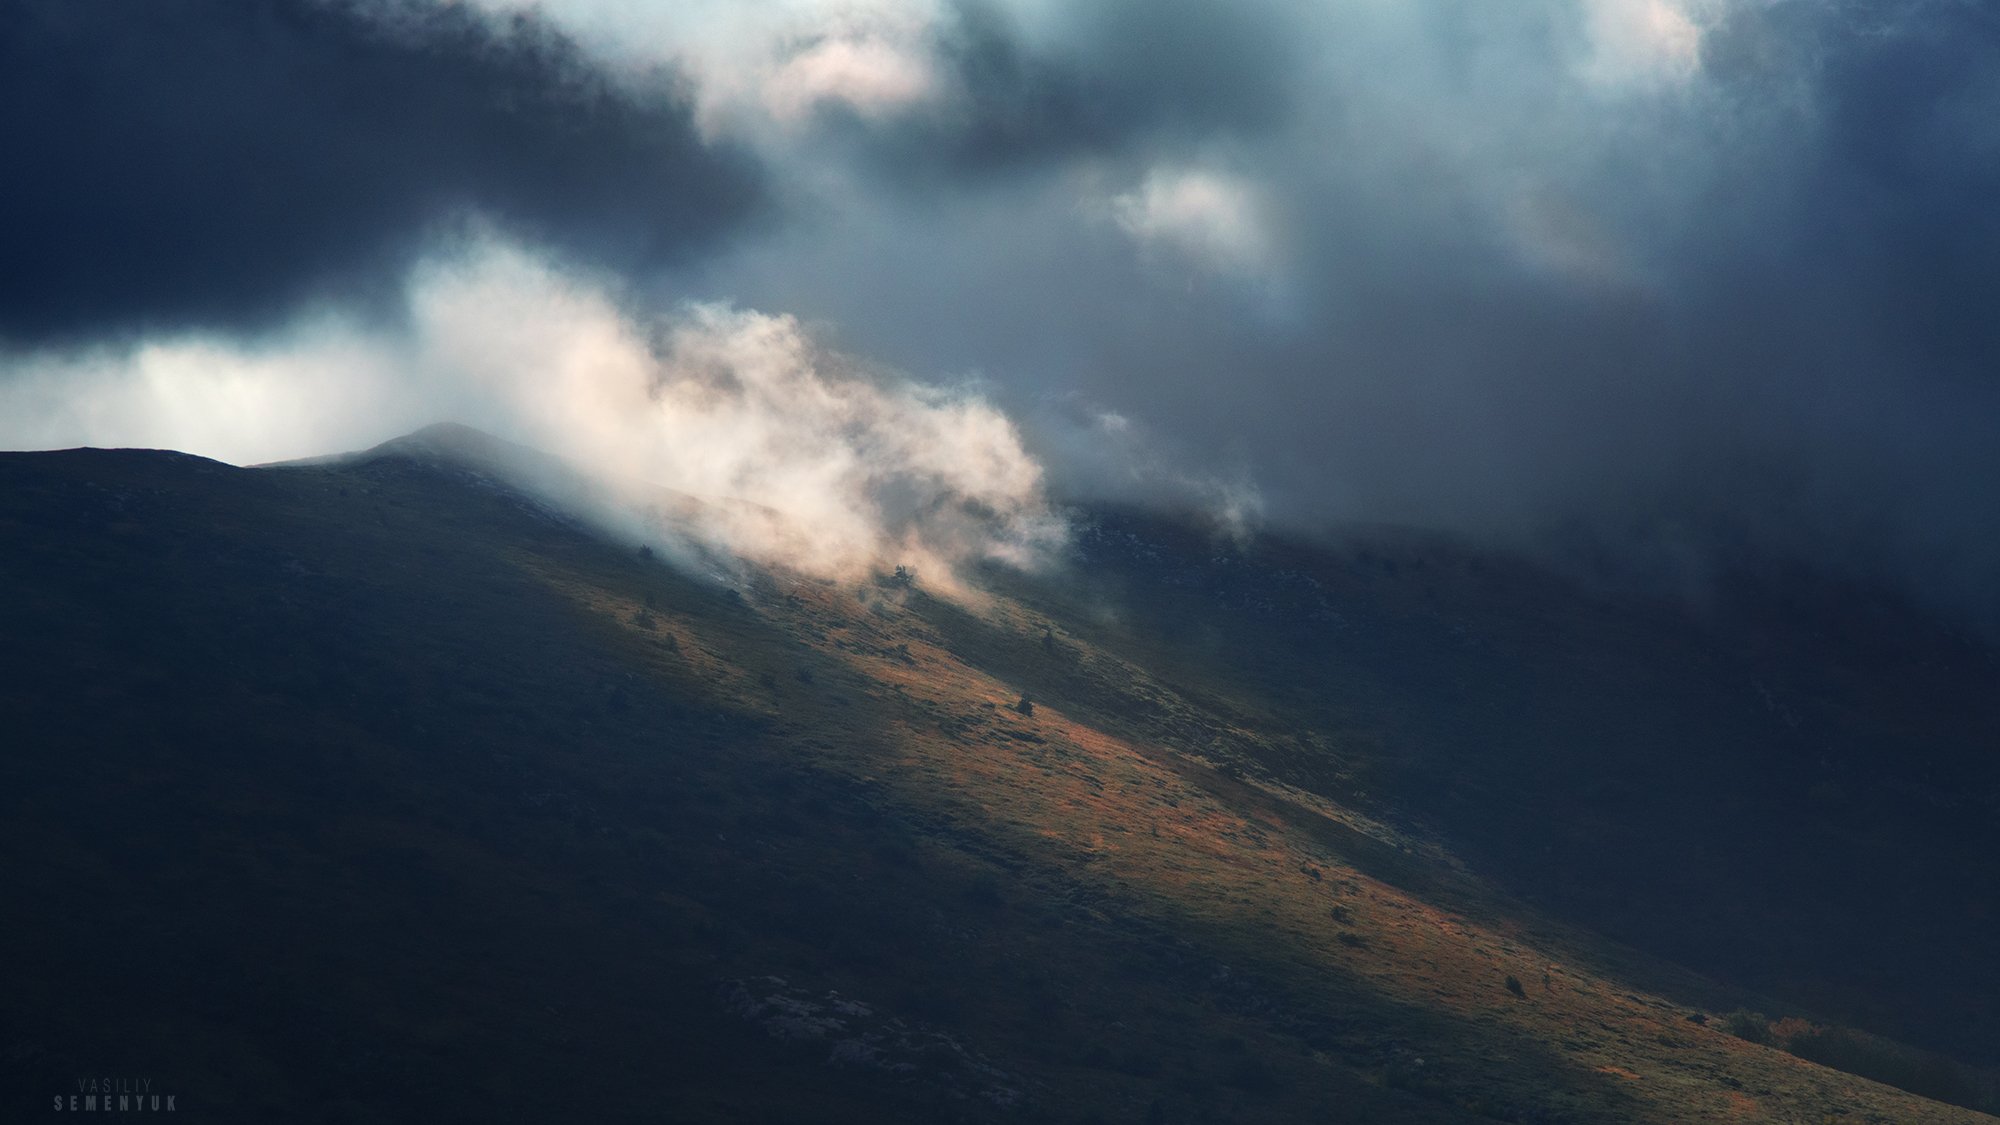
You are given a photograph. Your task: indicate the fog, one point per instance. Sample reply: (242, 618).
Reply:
(792, 455)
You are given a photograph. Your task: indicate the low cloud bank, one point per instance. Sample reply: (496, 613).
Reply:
(782, 452)
(215, 165)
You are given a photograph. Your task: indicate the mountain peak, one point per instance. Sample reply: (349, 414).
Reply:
(453, 441)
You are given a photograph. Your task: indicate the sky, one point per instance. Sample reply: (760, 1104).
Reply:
(1671, 285)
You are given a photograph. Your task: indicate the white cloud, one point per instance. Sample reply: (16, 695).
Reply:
(1643, 43)
(800, 457)
(1212, 218)
(1106, 454)
(753, 65)
(873, 75)
(210, 396)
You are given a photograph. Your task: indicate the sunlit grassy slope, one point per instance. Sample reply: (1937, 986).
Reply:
(375, 791)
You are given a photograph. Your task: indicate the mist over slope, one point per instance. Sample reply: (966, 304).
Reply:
(799, 455)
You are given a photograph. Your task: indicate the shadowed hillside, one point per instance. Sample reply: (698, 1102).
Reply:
(375, 790)
(1795, 784)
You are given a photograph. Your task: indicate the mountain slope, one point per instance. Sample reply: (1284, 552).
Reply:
(374, 789)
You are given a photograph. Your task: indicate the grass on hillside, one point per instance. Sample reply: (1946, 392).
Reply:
(366, 792)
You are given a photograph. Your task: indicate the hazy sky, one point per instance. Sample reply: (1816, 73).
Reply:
(1683, 277)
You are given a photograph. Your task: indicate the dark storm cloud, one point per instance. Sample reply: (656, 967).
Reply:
(1675, 284)
(1824, 316)
(1121, 75)
(1531, 279)
(214, 163)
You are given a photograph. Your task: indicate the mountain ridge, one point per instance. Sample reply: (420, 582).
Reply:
(1110, 858)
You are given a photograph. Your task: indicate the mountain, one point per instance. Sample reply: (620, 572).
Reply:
(380, 788)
